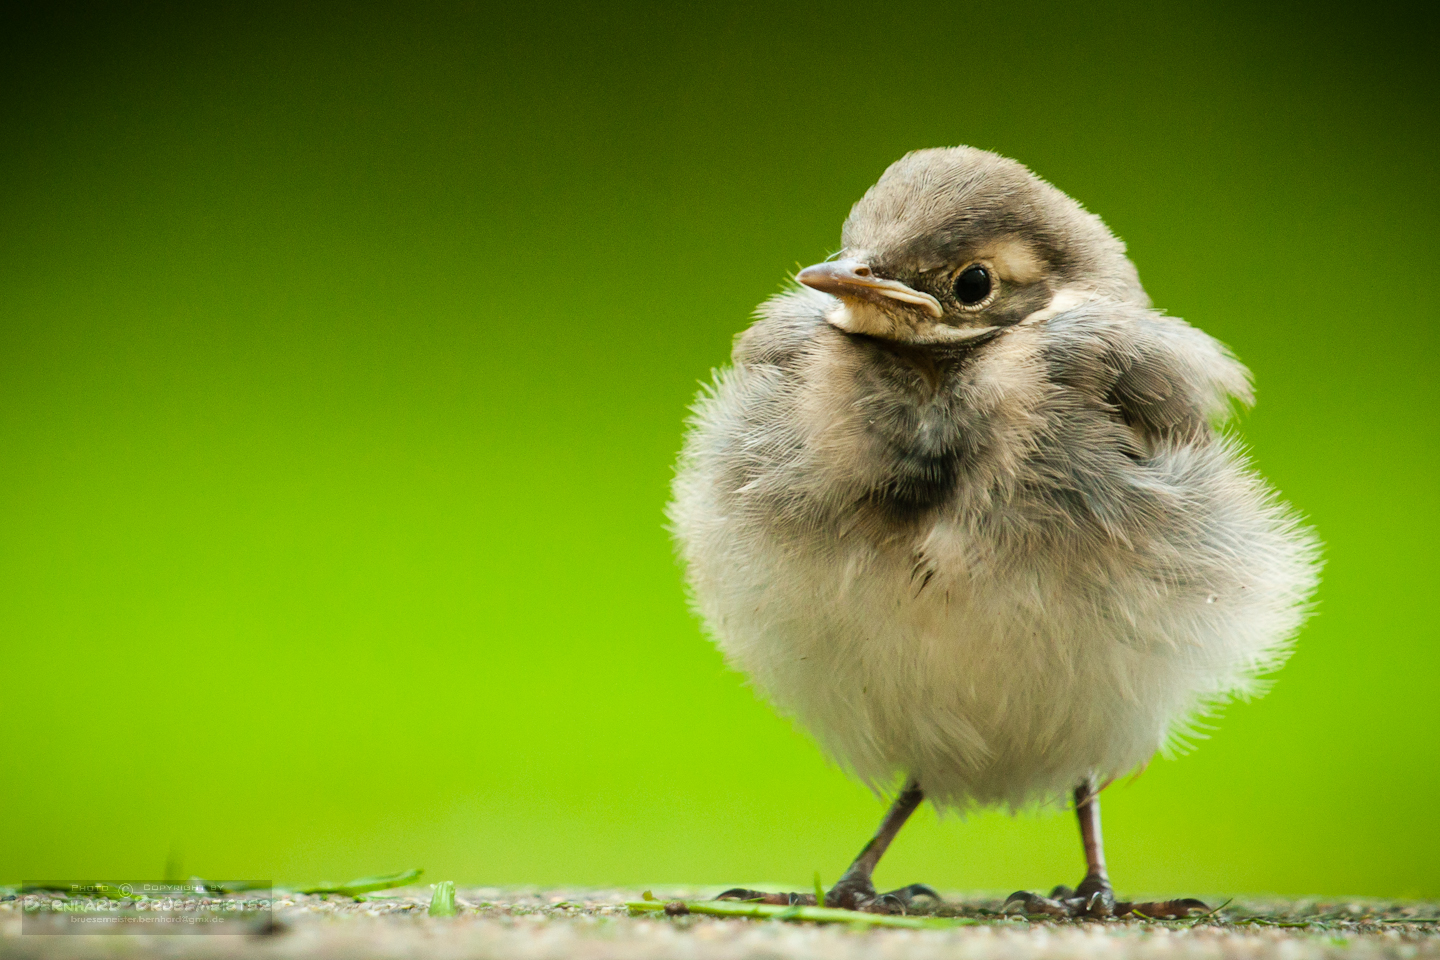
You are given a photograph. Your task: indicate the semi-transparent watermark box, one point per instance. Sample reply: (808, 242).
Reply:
(145, 908)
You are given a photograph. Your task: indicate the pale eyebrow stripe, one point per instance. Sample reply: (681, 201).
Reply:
(1014, 259)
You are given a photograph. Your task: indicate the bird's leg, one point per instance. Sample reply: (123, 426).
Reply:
(854, 890)
(1095, 889)
(1095, 897)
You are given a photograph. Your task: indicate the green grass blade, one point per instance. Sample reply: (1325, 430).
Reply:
(772, 911)
(819, 891)
(367, 884)
(442, 901)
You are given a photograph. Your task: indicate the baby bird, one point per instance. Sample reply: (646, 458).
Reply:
(962, 506)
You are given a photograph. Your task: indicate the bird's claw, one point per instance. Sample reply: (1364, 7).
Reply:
(1169, 909)
(759, 896)
(858, 893)
(894, 901)
(908, 894)
(848, 894)
(1097, 904)
(1034, 904)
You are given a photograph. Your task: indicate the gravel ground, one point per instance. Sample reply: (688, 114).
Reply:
(530, 924)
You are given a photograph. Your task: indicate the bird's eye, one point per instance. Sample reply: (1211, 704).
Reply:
(973, 285)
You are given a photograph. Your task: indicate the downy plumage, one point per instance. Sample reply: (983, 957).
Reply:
(968, 514)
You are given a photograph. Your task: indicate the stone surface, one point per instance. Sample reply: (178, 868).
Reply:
(530, 924)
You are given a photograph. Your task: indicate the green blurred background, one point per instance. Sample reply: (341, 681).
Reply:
(343, 359)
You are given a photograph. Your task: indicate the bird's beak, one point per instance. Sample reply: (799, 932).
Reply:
(854, 280)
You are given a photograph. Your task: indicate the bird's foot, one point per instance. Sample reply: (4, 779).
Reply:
(858, 893)
(1096, 900)
(851, 893)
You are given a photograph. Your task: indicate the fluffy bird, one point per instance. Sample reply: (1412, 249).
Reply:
(963, 506)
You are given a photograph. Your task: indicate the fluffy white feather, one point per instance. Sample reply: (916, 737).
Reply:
(1003, 572)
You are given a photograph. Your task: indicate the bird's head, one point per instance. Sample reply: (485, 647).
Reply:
(953, 245)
